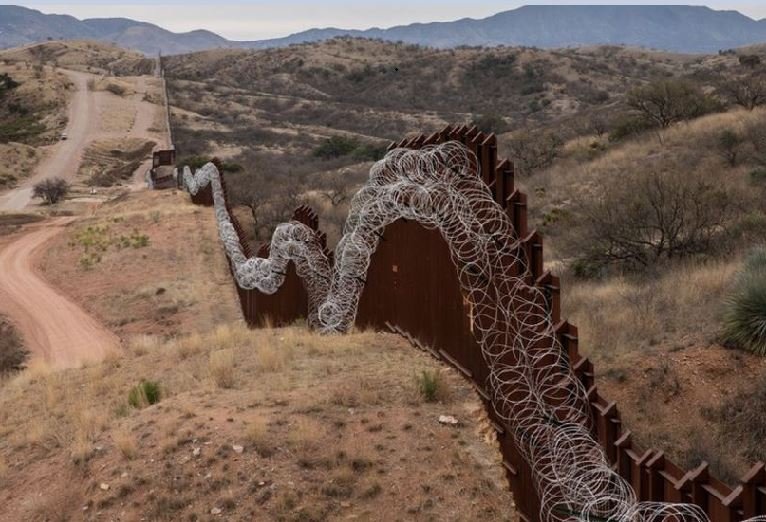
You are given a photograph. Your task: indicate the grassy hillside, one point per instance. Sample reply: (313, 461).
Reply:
(615, 147)
(199, 418)
(82, 55)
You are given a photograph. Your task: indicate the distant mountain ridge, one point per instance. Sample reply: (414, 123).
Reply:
(691, 29)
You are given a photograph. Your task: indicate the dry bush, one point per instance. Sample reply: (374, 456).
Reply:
(13, 355)
(257, 436)
(144, 344)
(642, 219)
(125, 441)
(222, 368)
(273, 354)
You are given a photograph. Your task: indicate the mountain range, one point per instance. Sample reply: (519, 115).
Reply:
(690, 29)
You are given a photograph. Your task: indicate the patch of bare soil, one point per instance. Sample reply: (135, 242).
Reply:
(147, 263)
(669, 398)
(251, 425)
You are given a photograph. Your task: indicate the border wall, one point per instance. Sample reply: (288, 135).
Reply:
(412, 289)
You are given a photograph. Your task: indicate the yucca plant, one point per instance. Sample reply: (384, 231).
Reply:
(745, 313)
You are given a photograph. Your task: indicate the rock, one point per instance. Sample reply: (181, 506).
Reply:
(196, 451)
(448, 419)
(124, 474)
(104, 486)
(216, 511)
(237, 448)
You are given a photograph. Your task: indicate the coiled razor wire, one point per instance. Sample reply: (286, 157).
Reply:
(532, 387)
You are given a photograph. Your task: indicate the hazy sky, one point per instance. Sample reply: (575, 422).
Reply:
(267, 19)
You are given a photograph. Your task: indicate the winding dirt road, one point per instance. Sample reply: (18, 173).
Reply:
(54, 328)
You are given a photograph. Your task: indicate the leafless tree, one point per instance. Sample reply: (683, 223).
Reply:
(337, 188)
(534, 151)
(51, 190)
(748, 91)
(639, 221)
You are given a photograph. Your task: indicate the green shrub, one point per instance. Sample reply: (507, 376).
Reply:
(430, 385)
(367, 152)
(745, 312)
(335, 147)
(628, 125)
(144, 394)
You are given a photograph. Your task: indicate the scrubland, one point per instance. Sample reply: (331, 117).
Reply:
(276, 424)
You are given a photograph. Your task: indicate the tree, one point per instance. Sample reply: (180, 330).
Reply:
(750, 60)
(665, 102)
(51, 190)
(729, 143)
(747, 91)
(7, 84)
(533, 151)
(598, 124)
(639, 221)
(490, 123)
(336, 188)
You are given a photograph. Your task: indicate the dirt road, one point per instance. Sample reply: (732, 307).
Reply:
(63, 158)
(54, 328)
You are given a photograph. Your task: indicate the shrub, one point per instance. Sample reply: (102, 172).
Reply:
(431, 386)
(729, 143)
(13, 355)
(51, 190)
(117, 90)
(368, 152)
(221, 367)
(664, 102)
(745, 311)
(637, 221)
(335, 147)
(490, 123)
(533, 151)
(144, 394)
(627, 125)
(7, 84)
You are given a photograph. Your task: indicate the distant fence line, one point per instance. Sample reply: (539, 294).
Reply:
(415, 292)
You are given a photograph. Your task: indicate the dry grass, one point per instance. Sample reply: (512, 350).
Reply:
(619, 316)
(77, 421)
(223, 368)
(125, 442)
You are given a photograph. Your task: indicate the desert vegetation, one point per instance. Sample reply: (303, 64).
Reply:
(342, 413)
(51, 190)
(13, 356)
(645, 172)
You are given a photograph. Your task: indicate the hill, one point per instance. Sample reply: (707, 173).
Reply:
(678, 28)
(22, 26)
(686, 29)
(306, 120)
